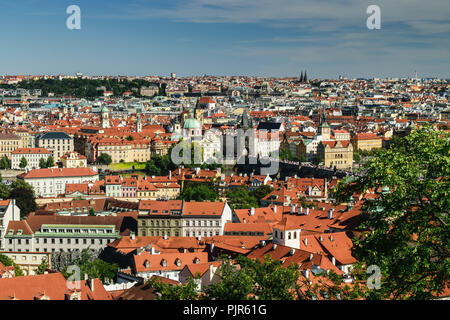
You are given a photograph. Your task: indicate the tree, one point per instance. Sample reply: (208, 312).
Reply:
(129, 138)
(5, 163)
(199, 192)
(44, 266)
(241, 198)
(94, 267)
(234, 284)
(104, 158)
(50, 162)
(407, 233)
(185, 291)
(24, 195)
(261, 192)
(7, 262)
(42, 163)
(151, 169)
(91, 211)
(23, 163)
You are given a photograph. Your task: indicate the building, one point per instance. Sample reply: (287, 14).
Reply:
(51, 286)
(182, 218)
(9, 211)
(8, 143)
(336, 154)
(52, 182)
(59, 143)
(55, 233)
(367, 141)
(29, 261)
(32, 155)
(74, 160)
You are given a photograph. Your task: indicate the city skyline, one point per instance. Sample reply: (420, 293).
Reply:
(225, 38)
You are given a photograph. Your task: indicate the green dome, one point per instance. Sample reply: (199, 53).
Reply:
(192, 124)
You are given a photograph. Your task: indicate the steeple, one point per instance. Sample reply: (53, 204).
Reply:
(138, 123)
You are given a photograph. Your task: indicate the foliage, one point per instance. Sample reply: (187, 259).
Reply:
(286, 154)
(241, 198)
(23, 163)
(91, 211)
(23, 193)
(5, 163)
(159, 165)
(104, 158)
(50, 162)
(82, 88)
(408, 233)
(42, 163)
(194, 191)
(7, 262)
(185, 291)
(94, 267)
(42, 267)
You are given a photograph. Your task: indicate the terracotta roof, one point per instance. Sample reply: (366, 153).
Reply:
(58, 172)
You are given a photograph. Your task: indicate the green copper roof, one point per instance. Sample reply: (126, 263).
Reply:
(191, 124)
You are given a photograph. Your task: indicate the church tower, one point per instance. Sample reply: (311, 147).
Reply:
(138, 124)
(105, 117)
(325, 130)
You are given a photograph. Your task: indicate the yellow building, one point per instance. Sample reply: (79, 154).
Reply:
(367, 141)
(125, 151)
(8, 143)
(336, 154)
(73, 160)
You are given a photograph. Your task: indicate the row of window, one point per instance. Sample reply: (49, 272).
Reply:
(60, 241)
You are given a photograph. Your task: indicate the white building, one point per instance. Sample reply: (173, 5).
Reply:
(52, 182)
(32, 155)
(8, 212)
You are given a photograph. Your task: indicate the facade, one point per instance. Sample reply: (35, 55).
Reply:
(61, 233)
(8, 212)
(32, 155)
(59, 143)
(52, 182)
(8, 143)
(367, 141)
(336, 154)
(29, 261)
(74, 160)
(180, 218)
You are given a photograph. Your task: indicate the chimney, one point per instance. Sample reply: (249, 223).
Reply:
(262, 243)
(252, 211)
(306, 273)
(275, 208)
(170, 174)
(306, 211)
(274, 246)
(165, 236)
(306, 242)
(331, 238)
(197, 170)
(91, 284)
(309, 190)
(311, 256)
(330, 214)
(132, 236)
(300, 210)
(333, 260)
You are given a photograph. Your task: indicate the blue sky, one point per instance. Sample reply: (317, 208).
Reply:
(328, 38)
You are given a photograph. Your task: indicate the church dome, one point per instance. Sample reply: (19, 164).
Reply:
(192, 124)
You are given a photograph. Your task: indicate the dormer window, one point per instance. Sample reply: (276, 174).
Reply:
(178, 262)
(147, 264)
(164, 263)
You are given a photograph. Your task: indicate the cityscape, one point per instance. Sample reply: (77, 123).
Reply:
(224, 187)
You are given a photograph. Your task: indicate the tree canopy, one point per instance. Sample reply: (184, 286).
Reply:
(407, 233)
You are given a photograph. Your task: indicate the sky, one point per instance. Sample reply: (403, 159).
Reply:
(278, 38)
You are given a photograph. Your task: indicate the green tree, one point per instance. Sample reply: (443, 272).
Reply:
(129, 138)
(42, 163)
(94, 267)
(151, 169)
(23, 163)
(261, 192)
(199, 192)
(185, 291)
(104, 158)
(241, 198)
(44, 266)
(50, 162)
(5, 163)
(23, 193)
(91, 211)
(407, 233)
(7, 262)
